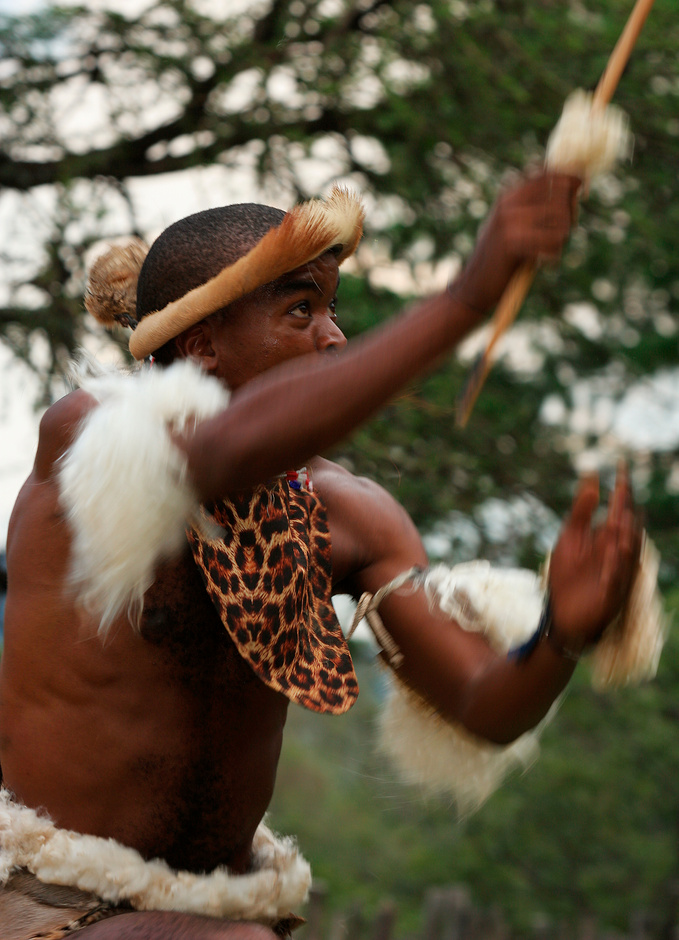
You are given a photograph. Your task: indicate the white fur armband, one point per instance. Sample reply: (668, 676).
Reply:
(505, 605)
(124, 485)
(440, 756)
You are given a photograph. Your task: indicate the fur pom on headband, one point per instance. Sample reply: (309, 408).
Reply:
(111, 291)
(305, 232)
(124, 483)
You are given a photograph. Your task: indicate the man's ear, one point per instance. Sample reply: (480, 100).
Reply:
(196, 343)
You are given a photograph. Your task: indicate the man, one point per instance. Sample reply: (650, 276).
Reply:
(154, 716)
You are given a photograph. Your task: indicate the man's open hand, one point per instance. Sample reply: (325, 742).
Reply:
(593, 567)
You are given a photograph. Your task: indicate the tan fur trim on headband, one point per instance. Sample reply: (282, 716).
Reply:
(111, 292)
(306, 232)
(115, 872)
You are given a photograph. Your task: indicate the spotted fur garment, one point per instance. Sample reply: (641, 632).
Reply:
(269, 576)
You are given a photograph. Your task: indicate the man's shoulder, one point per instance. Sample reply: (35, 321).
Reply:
(71, 407)
(367, 523)
(334, 482)
(59, 427)
(37, 504)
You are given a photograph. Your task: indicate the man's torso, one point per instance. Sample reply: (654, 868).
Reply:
(166, 741)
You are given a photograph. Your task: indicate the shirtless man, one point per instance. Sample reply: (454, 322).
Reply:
(165, 739)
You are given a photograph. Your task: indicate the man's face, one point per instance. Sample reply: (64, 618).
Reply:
(293, 316)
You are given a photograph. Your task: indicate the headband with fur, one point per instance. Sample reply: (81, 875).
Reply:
(305, 232)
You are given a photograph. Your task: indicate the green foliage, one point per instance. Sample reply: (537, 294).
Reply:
(447, 103)
(589, 830)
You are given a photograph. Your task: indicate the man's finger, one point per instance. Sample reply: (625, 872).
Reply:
(621, 503)
(585, 501)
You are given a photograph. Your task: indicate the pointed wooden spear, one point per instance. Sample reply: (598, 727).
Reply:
(515, 293)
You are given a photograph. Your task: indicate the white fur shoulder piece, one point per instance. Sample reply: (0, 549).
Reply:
(114, 872)
(124, 485)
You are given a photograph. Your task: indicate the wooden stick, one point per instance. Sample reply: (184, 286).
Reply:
(621, 53)
(515, 293)
(505, 314)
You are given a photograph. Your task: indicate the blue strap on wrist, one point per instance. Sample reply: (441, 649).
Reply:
(522, 652)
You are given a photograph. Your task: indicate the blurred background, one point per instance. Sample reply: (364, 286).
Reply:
(119, 118)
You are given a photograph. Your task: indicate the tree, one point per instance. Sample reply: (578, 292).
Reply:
(588, 832)
(423, 107)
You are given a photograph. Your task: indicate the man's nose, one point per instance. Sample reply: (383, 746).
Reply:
(329, 336)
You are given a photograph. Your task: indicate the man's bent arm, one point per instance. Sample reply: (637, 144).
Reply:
(493, 696)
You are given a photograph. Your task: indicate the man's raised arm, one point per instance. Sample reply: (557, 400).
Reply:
(295, 410)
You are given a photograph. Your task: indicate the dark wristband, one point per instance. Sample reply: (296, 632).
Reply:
(544, 631)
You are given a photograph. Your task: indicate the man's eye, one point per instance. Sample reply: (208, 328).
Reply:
(332, 307)
(302, 309)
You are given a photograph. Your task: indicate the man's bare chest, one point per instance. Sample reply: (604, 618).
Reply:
(182, 625)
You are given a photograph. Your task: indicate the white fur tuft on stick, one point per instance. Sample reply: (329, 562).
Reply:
(588, 140)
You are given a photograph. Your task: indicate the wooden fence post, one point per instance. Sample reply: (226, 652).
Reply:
(447, 914)
(318, 894)
(495, 926)
(433, 908)
(670, 925)
(587, 928)
(384, 922)
(339, 929)
(457, 914)
(355, 923)
(541, 927)
(639, 926)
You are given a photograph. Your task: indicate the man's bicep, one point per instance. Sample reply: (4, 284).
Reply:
(373, 537)
(436, 656)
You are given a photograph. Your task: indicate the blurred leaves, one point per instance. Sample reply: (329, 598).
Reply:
(589, 831)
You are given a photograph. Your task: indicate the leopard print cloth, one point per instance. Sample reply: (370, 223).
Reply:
(270, 577)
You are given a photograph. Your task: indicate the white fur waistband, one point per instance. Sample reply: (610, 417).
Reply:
(115, 872)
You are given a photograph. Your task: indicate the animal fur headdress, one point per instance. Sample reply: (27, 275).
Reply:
(305, 232)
